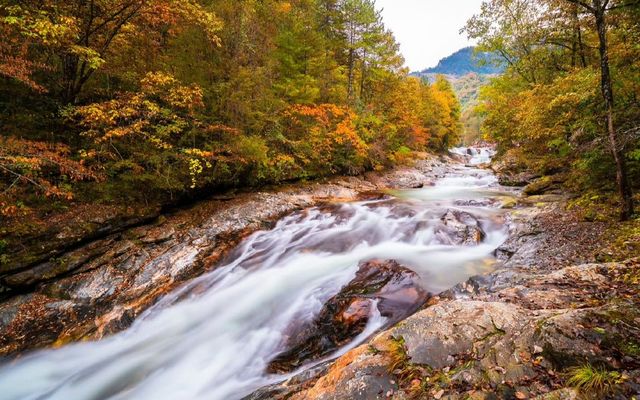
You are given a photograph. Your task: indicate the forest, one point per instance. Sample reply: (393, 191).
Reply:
(568, 104)
(186, 97)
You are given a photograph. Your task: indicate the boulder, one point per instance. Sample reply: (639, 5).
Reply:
(460, 228)
(518, 179)
(545, 184)
(392, 288)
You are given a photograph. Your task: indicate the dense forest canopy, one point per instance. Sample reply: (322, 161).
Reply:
(99, 97)
(568, 101)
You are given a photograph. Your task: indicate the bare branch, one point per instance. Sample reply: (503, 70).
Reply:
(26, 178)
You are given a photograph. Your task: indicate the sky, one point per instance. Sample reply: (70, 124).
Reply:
(428, 30)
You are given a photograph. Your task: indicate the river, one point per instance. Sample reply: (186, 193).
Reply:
(214, 337)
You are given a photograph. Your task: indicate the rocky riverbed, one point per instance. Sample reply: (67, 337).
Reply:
(101, 287)
(549, 316)
(540, 315)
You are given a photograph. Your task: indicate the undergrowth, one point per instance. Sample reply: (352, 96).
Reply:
(592, 380)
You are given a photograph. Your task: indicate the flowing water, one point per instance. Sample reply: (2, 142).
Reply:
(214, 337)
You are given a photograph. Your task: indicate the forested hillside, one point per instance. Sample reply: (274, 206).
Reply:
(465, 61)
(567, 105)
(101, 98)
(467, 89)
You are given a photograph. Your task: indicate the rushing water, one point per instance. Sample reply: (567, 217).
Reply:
(213, 338)
(477, 156)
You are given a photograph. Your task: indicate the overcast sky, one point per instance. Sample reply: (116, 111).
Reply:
(428, 30)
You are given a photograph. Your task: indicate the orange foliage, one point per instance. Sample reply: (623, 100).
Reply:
(324, 138)
(40, 165)
(150, 114)
(14, 62)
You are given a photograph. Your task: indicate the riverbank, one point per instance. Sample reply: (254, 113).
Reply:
(100, 287)
(552, 322)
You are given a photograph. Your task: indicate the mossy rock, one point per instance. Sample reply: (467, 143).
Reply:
(539, 186)
(509, 203)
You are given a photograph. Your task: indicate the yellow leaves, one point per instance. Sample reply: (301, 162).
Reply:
(325, 137)
(88, 55)
(182, 12)
(153, 115)
(198, 153)
(188, 98)
(283, 7)
(156, 82)
(46, 27)
(169, 90)
(32, 164)
(136, 127)
(195, 169)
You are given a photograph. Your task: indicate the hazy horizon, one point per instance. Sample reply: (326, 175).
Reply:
(417, 24)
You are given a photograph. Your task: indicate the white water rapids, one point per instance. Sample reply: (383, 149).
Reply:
(214, 337)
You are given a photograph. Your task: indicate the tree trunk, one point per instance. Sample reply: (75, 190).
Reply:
(583, 57)
(363, 76)
(69, 70)
(607, 93)
(577, 47)
(351, 74)
(576, 28)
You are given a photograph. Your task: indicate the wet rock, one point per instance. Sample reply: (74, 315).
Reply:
(460, 228)
(435, 338)
(474, 344)
(515, 332)
(67, 231)
(157, 235)
(393, 289)
(57, 267)
(539, 186)
(561, 394)
(509, 203)
(475, 203)
(477, 335)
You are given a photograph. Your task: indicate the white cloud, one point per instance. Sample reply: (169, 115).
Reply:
(428, 30)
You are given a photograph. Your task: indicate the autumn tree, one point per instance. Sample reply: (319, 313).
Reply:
(74, 38)
(548, 46)
(600, 9)
(192, 96)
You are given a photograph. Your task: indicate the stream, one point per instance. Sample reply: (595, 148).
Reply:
(214, 337)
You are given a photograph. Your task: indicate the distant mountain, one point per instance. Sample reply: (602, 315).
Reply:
(467, 72)
(464, 61)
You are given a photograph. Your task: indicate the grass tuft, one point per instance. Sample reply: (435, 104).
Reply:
(590, 379)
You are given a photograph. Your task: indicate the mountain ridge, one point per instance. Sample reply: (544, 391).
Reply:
(464, 61)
